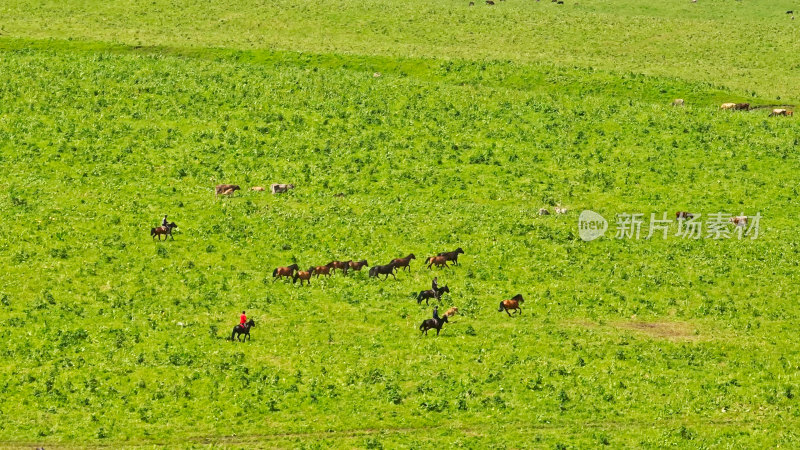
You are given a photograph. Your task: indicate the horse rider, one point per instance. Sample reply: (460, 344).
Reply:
(435, 287)
(243, 320)
(436, 313)
(164, 222)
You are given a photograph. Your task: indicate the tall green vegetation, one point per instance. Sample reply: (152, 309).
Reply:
(111, 338)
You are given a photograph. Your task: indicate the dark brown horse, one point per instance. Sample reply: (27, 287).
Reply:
(514, 303)
(322, 270)
(281, 272)
(429, 294)
(303, 276)
(439, 261)
(226, 189)
(387, 270)
(357, 265)
(433, 323)
(165, 231)
(403, 262)
(240, 330)
(452, 256)
(341, 265)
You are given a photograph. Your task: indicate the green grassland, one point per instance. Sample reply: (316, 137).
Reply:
(112, 115)
(748, 45)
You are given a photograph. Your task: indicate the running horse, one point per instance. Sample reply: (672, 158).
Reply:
(433, 323)
(165, 231)
(439, 261)
(357, 265)
(303, 276)
(429, 294)
(323, 270)
(341, 265)
(240, 330)
(403, 263)
(387, 270)
(452, 256)
(287, 272)
(514, 303)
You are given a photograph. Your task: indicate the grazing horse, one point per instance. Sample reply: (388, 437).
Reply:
(440, 261)
(514, 303)
(303, 276)
(432, 323)
(226, 189)
(341, 265)
(322, 270)
(357, 265)
(280, 188)
(451, 312)
(166, 231)
(240, 330)
(742, 106)
(404, 262)
(780, 112)
(684, 215)
(387, 270)
(429, 294)
(281, 272)
(452, 256)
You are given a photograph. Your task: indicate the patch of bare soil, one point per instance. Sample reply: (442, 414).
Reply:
(678, 331)
(670, 330)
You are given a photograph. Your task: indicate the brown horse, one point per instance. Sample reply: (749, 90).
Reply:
(225, 189)
(341, 265)
(357, 265)
(322, 270)
(440, 261)
(514, 303)
(452, 256)
(165, 231)
(303, 276)
(403, 262)
(451, 312)
(281, 272)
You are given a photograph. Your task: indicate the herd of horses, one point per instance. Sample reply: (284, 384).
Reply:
(294, 273)
(782, 111)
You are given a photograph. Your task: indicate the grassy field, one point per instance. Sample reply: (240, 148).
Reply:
(112, 115)
(750, 46)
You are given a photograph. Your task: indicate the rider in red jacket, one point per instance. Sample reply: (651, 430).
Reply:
(242, 320)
